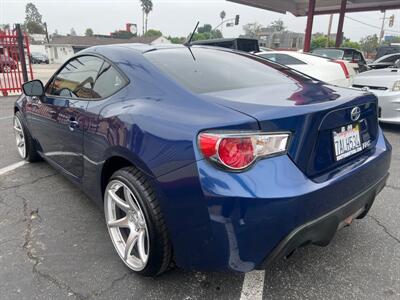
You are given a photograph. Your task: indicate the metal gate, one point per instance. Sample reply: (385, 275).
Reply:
(15, 63)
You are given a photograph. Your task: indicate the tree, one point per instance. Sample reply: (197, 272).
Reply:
(72, 32)
(320, 41)
(153, 32)
(176, 40)
(252, 29)
(369, 44)
(122, 34)
(204, 28)
(33, 19)
(147, 7)
(89, 32)
(351, 44)
(33, 27)
(277, 25)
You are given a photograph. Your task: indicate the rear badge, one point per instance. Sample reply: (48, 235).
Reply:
(355, 114)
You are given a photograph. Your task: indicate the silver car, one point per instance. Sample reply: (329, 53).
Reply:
(385, 84)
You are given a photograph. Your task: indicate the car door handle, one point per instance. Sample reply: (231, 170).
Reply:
(35, 101)
(73, 124)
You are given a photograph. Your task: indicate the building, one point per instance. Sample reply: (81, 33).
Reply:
(281, 39)
(63, 47)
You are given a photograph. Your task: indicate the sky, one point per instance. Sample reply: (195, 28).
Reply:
(176, 17)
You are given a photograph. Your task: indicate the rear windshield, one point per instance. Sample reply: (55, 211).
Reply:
(330, 53)
(207, 70)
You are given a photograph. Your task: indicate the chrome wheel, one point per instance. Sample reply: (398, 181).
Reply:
(127, 225)
(19, 137)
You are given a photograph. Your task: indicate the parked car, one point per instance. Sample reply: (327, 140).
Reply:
(209, 158)
(385, 84)
(335, 72)
(242, 44)
(387, 49)
(7, 64)
(39, 58)
(354, 56)
(386, 61)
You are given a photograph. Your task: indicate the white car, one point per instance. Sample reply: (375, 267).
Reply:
(385, 84)
(335, 72)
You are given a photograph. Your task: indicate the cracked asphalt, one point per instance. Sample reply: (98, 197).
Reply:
(54, 245)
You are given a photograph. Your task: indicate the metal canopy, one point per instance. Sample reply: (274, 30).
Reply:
(300, 7)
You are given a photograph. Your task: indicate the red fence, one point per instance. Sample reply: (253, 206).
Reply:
(11, 61)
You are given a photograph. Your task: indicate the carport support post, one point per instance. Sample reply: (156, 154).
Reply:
(310, 20)
(339, 33)
(21, 51)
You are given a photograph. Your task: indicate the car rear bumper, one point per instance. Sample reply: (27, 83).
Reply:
(389, 106)
(321, 230)
(221, 220)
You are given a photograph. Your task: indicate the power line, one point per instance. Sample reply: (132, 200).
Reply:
(370, 25)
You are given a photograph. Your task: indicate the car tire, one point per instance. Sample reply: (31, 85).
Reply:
(139, 215)
(25, 144)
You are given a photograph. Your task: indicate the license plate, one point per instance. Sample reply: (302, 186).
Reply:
(347, 141)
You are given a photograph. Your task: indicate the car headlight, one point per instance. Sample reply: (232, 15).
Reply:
(396, 87)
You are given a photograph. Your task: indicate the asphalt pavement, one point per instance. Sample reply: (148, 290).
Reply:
(54, 245)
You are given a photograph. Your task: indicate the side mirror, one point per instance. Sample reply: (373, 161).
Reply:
(33, 88)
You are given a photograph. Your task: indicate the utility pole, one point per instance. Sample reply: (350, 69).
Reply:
(383, 27)
(47, 33)
(329, 30)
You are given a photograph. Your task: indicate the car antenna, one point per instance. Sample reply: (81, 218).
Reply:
(189, 40)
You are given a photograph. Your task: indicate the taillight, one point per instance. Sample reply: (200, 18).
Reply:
(237, 151)
(344, 68)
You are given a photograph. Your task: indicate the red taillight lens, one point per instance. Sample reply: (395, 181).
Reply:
(208, 144)
(236, 153)
(344, 68)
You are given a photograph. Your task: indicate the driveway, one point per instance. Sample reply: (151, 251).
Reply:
(54, 245)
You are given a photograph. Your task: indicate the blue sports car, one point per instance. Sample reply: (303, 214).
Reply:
(205, 158)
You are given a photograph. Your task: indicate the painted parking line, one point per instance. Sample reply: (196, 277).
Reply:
(5, 118)
(253, 285)
(12, 167)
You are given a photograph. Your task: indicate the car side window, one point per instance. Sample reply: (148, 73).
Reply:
(77, 78)
(282, 59)
(391, 59)
(288, 60)
(108, 82)
(348, 55)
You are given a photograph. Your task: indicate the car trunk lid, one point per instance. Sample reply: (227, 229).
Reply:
(311, 111)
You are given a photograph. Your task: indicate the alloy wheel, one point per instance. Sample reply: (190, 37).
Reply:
(19, 137)
(127, 225)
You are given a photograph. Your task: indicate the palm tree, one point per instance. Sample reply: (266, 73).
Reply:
(147, 7)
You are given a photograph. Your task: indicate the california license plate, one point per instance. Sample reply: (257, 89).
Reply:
(347, 141)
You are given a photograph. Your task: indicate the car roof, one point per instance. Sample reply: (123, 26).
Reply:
(144, 48)
(212, 41)
(339, 48)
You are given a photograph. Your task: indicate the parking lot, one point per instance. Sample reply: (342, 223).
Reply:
(54, 245)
